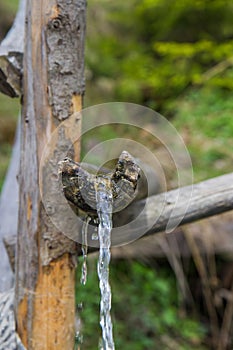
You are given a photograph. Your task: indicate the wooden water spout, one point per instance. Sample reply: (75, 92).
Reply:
(79, 185)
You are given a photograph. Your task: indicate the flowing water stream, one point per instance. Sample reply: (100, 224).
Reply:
(104, 201)
(83, 278)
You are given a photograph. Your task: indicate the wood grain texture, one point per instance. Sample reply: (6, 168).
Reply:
(183, 205)
(45, 265)
(54, 305)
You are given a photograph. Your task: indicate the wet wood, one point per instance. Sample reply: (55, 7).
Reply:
(52, 90)
(79, 185)
(160, 212)
(214, 196)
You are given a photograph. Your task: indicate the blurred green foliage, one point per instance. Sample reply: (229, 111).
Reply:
(11, 6)
(149, 52)
(144, 309)
(8, 120)
(175, 57)
(7, 13)
(204, 119)
(8, 107)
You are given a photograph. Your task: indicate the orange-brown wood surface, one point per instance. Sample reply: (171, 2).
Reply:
(53, 325)
(45, 299)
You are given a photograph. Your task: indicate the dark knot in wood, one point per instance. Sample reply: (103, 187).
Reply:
(57, 22)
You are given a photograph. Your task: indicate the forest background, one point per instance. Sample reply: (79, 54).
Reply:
(175, 57)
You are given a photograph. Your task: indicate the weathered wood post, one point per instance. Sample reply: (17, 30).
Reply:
(53, 86)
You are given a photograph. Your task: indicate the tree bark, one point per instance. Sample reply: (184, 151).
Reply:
(53, 87)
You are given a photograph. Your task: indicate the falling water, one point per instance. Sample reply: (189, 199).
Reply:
(104, 210)
(83, 278)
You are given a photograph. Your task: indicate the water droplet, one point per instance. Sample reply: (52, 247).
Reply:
(95, 236)
(80, 306)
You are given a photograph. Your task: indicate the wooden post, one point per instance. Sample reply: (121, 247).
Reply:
(53, 87)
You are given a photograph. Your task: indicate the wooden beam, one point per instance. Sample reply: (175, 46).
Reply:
(182, 205)
(161, 212)
(210, 197)
(53, 87)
